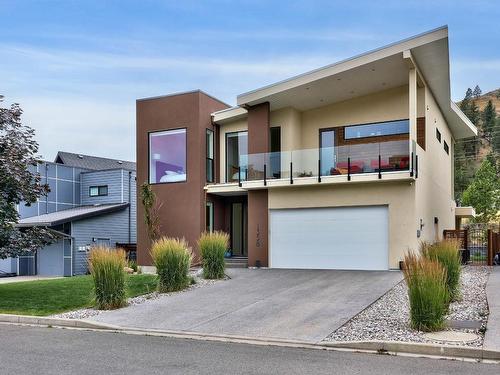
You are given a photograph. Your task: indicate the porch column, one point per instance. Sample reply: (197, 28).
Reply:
(258, 142)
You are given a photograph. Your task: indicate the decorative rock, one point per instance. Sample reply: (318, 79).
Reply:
(388, 318)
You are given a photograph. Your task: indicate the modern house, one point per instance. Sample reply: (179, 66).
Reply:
(344, 167)
(92, 201)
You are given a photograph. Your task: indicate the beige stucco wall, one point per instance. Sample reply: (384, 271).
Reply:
(399, 197)
(434, 186)
(386, 105)
(234, 126)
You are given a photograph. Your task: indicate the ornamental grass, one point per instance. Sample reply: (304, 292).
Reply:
(212, 247)
(427, 292)
(107, 267)
(172, 259)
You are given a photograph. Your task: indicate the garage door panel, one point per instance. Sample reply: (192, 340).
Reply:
(330, 238)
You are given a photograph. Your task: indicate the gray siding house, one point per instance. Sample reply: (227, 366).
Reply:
(92, 202)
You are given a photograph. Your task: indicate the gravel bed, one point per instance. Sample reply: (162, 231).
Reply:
(388, 318)
(91, 312)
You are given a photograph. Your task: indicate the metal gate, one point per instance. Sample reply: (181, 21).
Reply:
(479, 243)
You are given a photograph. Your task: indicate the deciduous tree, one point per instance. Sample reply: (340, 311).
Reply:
(18, 150)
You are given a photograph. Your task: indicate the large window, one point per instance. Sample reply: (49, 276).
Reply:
(377, 129)
(210, 156)
(236, 155)
(167, 156)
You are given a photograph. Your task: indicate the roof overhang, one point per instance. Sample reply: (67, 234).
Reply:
(229, 114)
(465, 212)
(72, 214)
(371, 72)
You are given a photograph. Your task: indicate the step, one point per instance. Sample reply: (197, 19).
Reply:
(237, 262)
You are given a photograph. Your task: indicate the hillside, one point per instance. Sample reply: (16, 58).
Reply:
(494, 96)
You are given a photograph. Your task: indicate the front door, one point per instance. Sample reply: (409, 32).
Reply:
(239, 229)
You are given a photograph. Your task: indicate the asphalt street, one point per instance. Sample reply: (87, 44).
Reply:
(38, 350)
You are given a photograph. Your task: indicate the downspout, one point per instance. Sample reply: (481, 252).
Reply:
(129, 207)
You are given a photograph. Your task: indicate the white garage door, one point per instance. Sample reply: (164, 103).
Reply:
(354, 238)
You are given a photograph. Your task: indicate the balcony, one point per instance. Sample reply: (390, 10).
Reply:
(358, 162)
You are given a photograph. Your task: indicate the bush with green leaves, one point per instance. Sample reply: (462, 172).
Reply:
(107, 267)
(172, 259)
(427, 292)
(212, 247)
(447, 253)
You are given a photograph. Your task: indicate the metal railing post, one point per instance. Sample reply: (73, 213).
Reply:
(411, 165)
(239, 176)
(379, 166)
(416, 166)
(291, 173)
(319, 170)
(265, 174)
(349, 168)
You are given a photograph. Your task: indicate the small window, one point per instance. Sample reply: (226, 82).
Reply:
(98, 191)
(438, 135)
(210, 156)
(446, 147)
(377, 129)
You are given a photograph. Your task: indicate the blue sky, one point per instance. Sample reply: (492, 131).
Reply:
(76, 67)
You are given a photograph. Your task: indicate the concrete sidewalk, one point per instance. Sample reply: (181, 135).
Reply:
(492, 335)
(20, 279)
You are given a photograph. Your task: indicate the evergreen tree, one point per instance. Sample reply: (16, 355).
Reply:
(495, 139)
(489, 119)
(465, 103)
(477, 92)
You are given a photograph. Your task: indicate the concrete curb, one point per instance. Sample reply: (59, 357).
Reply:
(56, 322)
(389, 347)
(395, 347)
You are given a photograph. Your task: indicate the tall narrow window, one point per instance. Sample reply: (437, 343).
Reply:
(209, 217)
(275, 148)
(446, 147)
(167, 156)
(327, 151)
(210, 156)
(236, 155)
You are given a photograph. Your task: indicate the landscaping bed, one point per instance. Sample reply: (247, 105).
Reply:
(388, 318)
(89, 312)
(47, 297)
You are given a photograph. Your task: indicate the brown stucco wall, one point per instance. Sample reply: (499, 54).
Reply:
(182, 213)
(258, 142)
(257, 228)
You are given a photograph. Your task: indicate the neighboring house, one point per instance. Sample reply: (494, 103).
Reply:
(92, 201)
(344, 167)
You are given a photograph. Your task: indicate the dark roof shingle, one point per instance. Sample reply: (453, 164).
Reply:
(92, 162)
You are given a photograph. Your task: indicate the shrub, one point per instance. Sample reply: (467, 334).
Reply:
(427, 292)
(212, 247)
(447, 253)
(107, 268)
(172, 259)
(133, 264)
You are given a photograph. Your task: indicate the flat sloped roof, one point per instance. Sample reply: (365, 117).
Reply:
(72, 214)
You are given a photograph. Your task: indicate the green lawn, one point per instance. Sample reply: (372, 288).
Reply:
(47, 297)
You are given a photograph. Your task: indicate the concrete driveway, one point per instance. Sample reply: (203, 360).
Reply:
(302, 305)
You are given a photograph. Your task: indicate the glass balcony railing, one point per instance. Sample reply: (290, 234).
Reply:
(347, 160)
